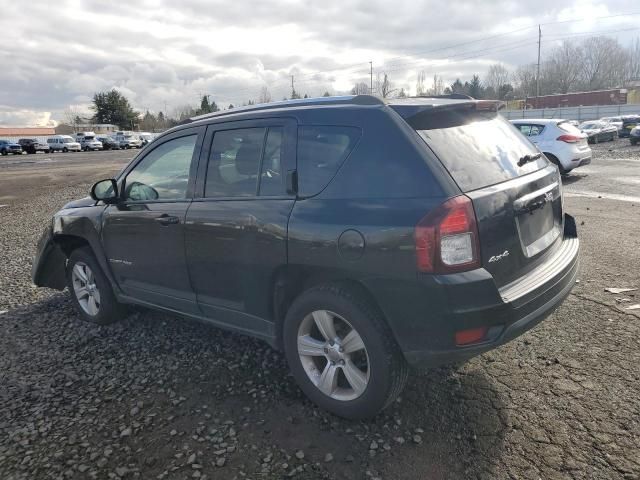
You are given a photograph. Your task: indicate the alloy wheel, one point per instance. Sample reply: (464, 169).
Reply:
(85, 288)
(333, 355)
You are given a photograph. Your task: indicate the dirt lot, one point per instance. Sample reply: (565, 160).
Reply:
(161, 397)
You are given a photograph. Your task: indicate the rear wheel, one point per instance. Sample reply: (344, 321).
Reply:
(342, 353)
(553, 159)
(65, 150)
(90, 289)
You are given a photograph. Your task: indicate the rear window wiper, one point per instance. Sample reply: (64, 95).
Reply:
(528, 158)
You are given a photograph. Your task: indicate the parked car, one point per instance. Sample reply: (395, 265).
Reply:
(108, 143)
(63, 143)
(629, 122)
(89, 142)
(616, 121)
(599, 131)
(562, 143)
(634, 136)
(32, 145)
(7, 147)
(128, 140)
(145, 137)
(575, 123)
(357, 235)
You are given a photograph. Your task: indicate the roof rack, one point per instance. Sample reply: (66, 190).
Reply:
(302, 102)
(452, 96)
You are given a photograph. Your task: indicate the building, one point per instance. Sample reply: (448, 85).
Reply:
(27, 132)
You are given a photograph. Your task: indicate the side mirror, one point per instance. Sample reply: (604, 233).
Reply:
(105, 191)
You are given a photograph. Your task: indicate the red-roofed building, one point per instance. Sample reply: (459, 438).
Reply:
(26, 132)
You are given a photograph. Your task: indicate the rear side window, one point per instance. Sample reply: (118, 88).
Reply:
(321, 152)
(478, 148)
(530, 130)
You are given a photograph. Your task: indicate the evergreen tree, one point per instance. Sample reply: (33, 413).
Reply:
(114, 108)
(326, 94)
(230, 107)
(204, 105)
(475, 87)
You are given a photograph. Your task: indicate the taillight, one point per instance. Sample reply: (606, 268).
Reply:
(447, 238)
(569, 138)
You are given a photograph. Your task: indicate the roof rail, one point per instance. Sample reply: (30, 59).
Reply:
(302, 102)
(453, 96)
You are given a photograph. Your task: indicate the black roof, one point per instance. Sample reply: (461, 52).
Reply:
(401, 105)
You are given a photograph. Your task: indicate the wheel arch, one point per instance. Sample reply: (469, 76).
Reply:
(292, 281)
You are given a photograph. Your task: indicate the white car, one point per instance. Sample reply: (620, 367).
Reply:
(562, 143)
(128, 140)
(617, 121)
(89, 142)
(63, 143)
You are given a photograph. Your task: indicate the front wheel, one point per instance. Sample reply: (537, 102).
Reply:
(341, 352)
(65, 150)
(90, 289)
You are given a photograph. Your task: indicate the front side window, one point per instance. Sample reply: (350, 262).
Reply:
(234, 163)
(164, 173)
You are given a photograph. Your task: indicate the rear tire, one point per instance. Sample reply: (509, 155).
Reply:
(336, 323)
(90, 289)
(553, 159)
(65, 150)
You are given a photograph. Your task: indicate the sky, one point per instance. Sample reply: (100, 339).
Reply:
(164, 54)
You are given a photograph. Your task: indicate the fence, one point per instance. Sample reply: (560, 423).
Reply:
(575, 113)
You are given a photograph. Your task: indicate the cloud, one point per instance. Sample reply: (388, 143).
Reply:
(161, 52)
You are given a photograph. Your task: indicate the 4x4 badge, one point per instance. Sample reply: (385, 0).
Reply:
(497, 258)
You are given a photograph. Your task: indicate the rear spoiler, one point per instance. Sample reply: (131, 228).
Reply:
(408, 110)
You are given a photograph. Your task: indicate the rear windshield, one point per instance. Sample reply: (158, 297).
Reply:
(567, 127)
(477, 148)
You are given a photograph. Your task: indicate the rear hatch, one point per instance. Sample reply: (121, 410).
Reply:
(516, 194)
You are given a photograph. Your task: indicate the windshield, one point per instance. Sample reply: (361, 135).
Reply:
(67, 140)
(590, 125)
(469, 142)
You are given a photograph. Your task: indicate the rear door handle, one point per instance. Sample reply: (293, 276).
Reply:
(166, 219)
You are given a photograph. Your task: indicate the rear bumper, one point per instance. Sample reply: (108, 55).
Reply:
(472, 300)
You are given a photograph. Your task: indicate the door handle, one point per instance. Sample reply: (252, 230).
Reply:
(166, 219)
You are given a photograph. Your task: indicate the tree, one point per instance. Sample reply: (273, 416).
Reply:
(475, 87)
(402, 93)
(204, 105)
(497, 76)
(326, 94)
(114, 108)
(564, 66)
(265, 95)
(457, 87)
(525, 80)
(360, 88)
(72, 117)
(149, 121)
(230, 107)
(437, 88)
(384, 87)
(420, 88)
(161, 121)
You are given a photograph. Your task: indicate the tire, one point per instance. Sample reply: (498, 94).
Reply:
(4, 152)
(553, 159)
(377, 369)
(65, 150)
(92, 295)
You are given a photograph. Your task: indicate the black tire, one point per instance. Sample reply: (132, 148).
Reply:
(109, 310)
(65, 150)
(4, 152)
(553, 159)
(387, 368)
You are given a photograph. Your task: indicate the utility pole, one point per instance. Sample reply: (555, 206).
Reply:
(371, 78)
(538, 74)
(293, 90)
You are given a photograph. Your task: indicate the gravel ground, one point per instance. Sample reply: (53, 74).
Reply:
(161, 397)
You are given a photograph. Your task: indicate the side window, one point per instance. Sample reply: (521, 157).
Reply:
(525, 129)
(234, 163)
(271, 179)
(321, 152)
(536, 129)
(164, 173)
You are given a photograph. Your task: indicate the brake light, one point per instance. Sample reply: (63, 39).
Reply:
(569, 138)
(447, 238)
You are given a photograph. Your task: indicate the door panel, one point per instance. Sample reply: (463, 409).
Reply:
(143, 234)
(236, 239)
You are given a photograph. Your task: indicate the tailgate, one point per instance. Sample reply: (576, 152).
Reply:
(516, 193)
(518, 222)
